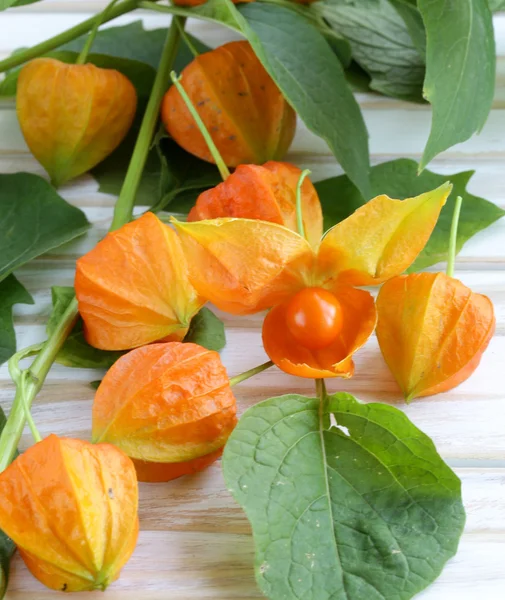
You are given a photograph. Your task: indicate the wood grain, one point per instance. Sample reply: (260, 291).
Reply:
(195, 541)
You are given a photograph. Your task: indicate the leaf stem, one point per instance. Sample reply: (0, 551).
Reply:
(299, 210)
(218, 159)
(124, 206)
(99, 19)
(25, 394)
(11, 434)
(187, 40)
(62, 38)
(453, 238)
(247, 374)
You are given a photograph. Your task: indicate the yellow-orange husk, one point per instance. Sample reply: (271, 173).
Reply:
(244, 266)
(133, 287)
(335, 360)
(356, 253)
(267, 193)
(245, 113)
(432, 331)
(73, 116)
(165, 403)
(71, 509)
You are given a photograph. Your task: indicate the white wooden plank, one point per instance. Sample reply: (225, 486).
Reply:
(196, 565)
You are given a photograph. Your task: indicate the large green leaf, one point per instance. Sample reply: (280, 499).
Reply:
(7, 546)
(33, 220)
(76, 352)
(350, 503)
(207, 330)
(399, 179)
(11, 293)
(496, 5)
(460, 70)
(408, 11)
(311, 78)
(381, 44)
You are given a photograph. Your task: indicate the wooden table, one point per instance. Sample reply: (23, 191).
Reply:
(195, 541)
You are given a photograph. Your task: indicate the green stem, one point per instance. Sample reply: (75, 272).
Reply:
(218, 159)
(453, 238)
(124, 206)
(299, 211)
(187, 40)
(63, 38)
(83, 56)
(247, 374)
(25, 394)
(11, 434)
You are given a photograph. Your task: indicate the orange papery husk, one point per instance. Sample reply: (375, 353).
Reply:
(133, 287)
(245, 113)
(73, 116)
(335, 360)
(71, 509)
(166, 403)
(267, 193)
(151, 472)
(432, 331)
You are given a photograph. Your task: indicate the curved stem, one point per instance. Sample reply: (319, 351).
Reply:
(299, 211)
(453, 238)
(124, 205)
(81, 59)
(247, 374)
(218, 159)
(187, 40)
(25, 394)
(62, 38)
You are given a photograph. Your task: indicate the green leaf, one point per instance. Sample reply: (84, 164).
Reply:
(7, 546)
(12, 4)
(311, 78)
(169, 172)
(11, 293)
(207, 330)
(381, 44)
(399, 179)
(33, 220)
(76, 352)
(134, 42)
(460, 70)
(140, 74)
(351, 504)
(496, 5)
(409, 12)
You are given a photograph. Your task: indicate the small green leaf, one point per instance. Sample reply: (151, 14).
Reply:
(399, 179)
(7, 546)
(349, 503)
(76, 352)
(310, 76)
(11, 292)
(381, 44)
(460, 70)
(33, 220)
(207, 330)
